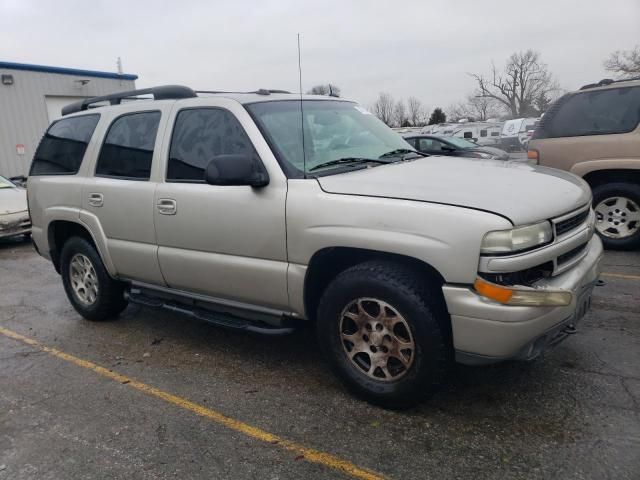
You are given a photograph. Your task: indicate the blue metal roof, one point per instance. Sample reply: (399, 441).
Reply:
(66, 71)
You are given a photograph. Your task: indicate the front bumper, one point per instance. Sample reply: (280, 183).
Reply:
(13, 224)
(485, 331)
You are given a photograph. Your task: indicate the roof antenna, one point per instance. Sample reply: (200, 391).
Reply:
(304, 150)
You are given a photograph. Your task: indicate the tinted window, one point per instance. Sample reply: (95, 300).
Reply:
(198, 136)
(495, 134)
(597, 112)
(429, 144)
(62, 147)
(468, 134)
(128, 147)
(483, 133)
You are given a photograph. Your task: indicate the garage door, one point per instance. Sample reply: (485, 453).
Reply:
(55, 104)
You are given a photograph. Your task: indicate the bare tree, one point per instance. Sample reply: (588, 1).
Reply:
(383, 108)
(327, 89)
(415, 112)
(624, 63)
(400, 118)
(475, 108)
(522, 81)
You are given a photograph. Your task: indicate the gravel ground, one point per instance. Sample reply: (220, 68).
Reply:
(573, 414)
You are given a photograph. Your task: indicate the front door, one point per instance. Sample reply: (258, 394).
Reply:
(223, 241)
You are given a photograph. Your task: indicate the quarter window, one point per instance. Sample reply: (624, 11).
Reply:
(199, 135)
(128, 148)
(62, 148)
(597, 112)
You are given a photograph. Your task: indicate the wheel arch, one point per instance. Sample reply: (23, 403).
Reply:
(59, 231)
(599, 177)
(328, 262)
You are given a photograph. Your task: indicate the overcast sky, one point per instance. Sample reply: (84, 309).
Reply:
(419, 48)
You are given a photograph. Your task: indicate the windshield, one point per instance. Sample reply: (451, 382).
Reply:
(333, 130)
(461, 142)
(4, 183)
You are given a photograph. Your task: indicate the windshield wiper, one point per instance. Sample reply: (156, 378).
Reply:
(347, 160)
(401, 151)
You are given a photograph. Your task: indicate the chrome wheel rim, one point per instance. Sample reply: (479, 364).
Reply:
(377, 339)
(84, 280)
(617, 217)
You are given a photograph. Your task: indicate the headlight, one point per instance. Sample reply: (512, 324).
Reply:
(523, 296)
(516, 239)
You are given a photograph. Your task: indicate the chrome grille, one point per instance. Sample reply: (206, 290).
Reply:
(570, 223)
(571, 254)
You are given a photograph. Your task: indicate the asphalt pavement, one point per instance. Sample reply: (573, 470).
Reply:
(156, 395)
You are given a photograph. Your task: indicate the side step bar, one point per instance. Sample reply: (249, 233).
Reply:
(218, 318)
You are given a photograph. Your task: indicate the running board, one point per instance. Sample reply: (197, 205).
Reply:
(218, 318)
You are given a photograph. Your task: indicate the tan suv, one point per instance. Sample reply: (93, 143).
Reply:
(262, 211)
(595, 134)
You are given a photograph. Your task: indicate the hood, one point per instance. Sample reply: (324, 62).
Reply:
(521, 192)
(12, 200)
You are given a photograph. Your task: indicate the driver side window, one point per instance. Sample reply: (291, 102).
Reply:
(429, 144)
(199, 135)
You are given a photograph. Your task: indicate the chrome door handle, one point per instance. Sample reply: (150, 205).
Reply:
(96, 199)
(167, 206)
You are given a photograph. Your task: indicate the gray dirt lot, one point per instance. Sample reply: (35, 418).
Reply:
(573, 414)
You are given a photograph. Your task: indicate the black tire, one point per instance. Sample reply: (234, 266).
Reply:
(412, 297)
(109, 300)
(627, 191)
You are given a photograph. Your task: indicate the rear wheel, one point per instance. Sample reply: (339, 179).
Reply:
(90, 289)
(384, 334)
(617, 208)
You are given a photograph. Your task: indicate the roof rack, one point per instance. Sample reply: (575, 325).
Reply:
(261, 91)
(164, 92)
(607, 81)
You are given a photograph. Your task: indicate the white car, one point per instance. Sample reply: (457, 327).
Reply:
(14, 216)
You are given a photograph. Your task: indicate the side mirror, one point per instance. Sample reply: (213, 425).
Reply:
(238, 169)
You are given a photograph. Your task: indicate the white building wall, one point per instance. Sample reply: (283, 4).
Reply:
(29, 105)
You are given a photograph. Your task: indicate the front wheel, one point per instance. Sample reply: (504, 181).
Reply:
(90, 289)
(617, 208)
(385, 334)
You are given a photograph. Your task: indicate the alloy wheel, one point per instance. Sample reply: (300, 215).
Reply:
(617, 217)
(377, 339)
(84, 280)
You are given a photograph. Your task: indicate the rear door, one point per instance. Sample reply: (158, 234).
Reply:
(118, 193)
(227, 242)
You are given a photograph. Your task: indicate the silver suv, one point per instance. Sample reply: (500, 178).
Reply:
(261, 211)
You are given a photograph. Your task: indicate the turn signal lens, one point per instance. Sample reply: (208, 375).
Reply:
(491, 290)
(522, 296)
(533, 155)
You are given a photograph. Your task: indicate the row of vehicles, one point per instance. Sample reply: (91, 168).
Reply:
(262, 211)
(510, 135)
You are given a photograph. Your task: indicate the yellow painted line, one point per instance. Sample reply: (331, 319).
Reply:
(309, 454)
(620, 275)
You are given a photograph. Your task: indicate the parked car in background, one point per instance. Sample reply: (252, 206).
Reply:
(453, 147)
(514, 133)
(14, 217)
(595, 133)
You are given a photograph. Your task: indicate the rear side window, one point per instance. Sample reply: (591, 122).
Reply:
(598, 112)
(483, 133)
(199, 135)
(62, 148)
(128, 147)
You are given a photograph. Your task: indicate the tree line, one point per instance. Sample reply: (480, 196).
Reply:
(523, 87)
